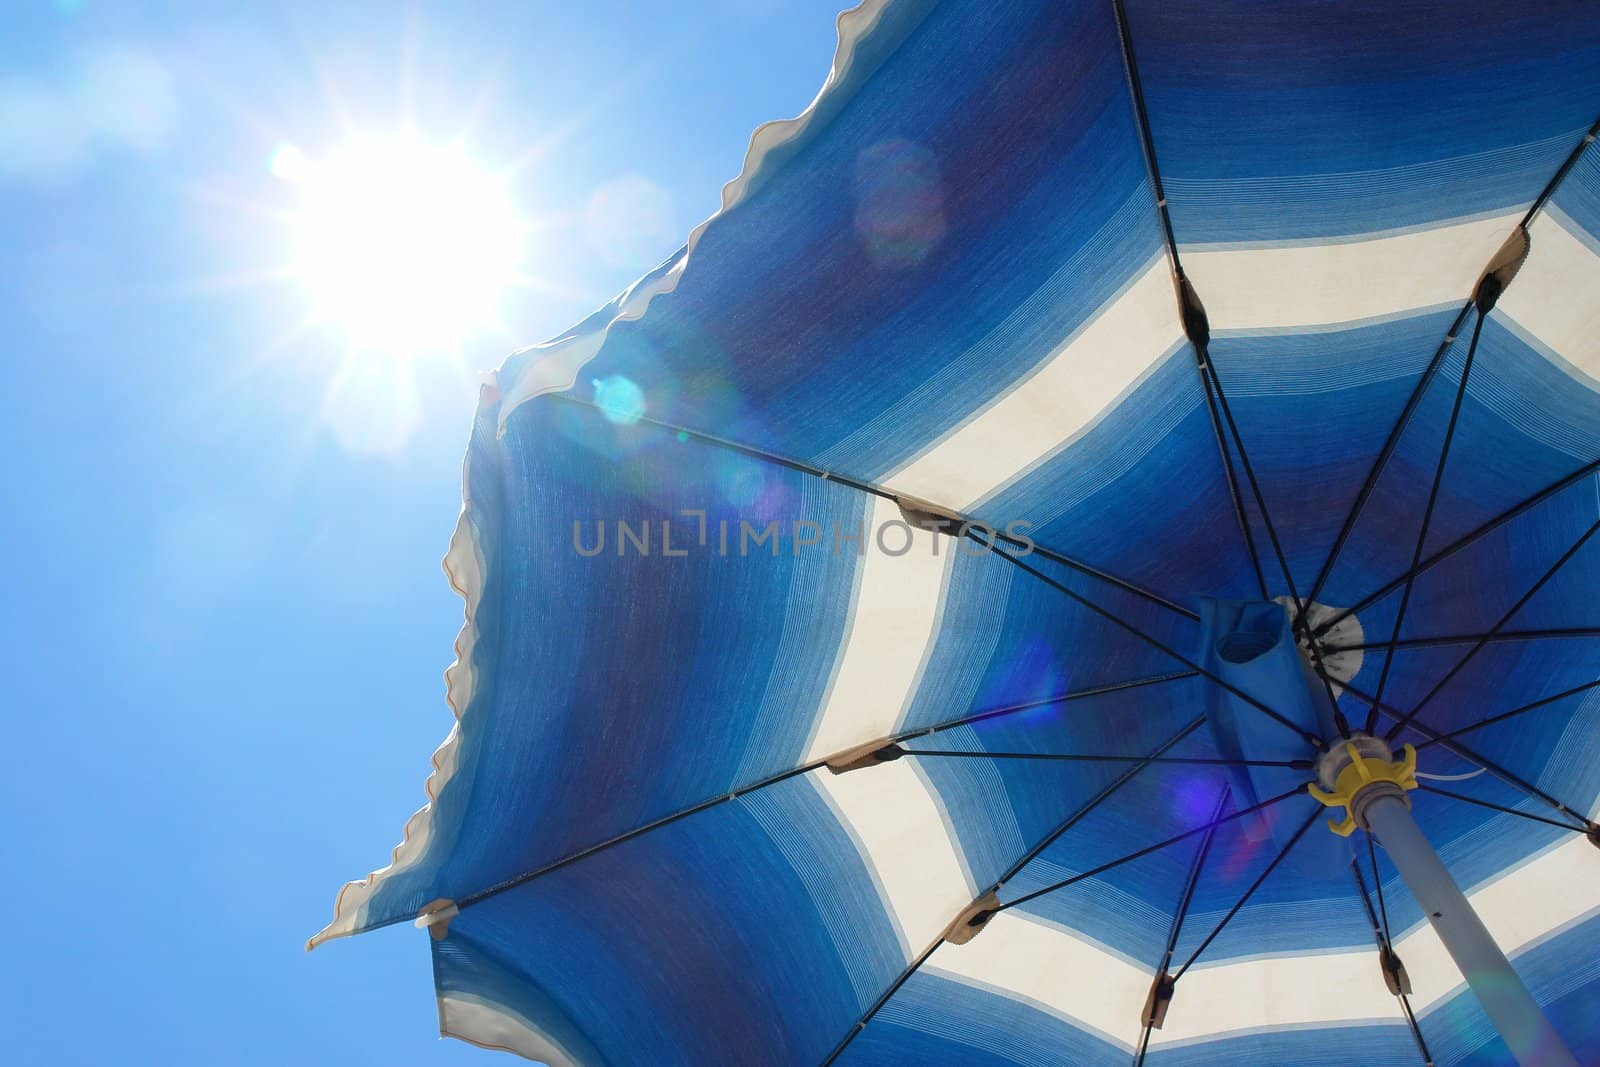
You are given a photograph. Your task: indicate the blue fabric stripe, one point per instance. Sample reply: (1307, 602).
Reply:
(937, 1020)
(1298, 121)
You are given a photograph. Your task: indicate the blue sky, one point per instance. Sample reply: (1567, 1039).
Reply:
(226, 622)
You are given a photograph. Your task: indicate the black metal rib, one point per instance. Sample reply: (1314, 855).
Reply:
(894, 987)
(1473, 757)
(1028, 857)
(1426, 788)
(1130, 69)
(1427, 518)
(1294, 764)
(1380, 934)
(1195, 867)
(1391, 443)
(1030, 705)
(781, 776)
(1395, 730)
(1366, 902)
(1194, 879)
(1377, 884)
(1250, 477)
(1320, 669)
(1239, 513)
(1565, 168)
(1416, 1032)
(1464, 541)
(1416, 396)
(878, 491)
(1144, 1047)
(554, 865)
(1299, 790)
(1155, 642)
(1504, 715)
(1248, 893)
(1094, 802)
(1502, 637)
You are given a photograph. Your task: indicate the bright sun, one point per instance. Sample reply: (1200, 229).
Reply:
(408, 248)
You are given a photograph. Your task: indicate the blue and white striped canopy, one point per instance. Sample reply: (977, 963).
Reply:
(947, 288)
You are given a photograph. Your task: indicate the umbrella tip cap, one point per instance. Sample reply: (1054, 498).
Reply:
(435, 917)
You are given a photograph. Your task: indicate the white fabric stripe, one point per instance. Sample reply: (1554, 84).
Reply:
(894, 619)
(898, 825)
(1322, 284)
(1552, 296)
(1071, 976)
(1060, 397)
(1285, 287)
(1102, 991)
(1302, 991)
(478, 1022)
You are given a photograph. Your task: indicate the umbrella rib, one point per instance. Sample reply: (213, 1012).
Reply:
(1248, 893)
(1561, 172)
(554, 865)
(894, 987)
(1462, 542)
(1386, 946)
(1427, 515)
(1195, 866)
(1298, 764)
(1298, 790)
(1209, 365)
(1240, 515)
(800, 467)
(1193, 880)
(1416, 1031)
(781, 776)
(1261, 505)
(1504, 715)
(1130, 68)
(1030, 705)
(1199, 334)
(1426, 788)
(1377, 885)
(1071, 821)
(1467, 639)
(1395, 730)
(1155, 642)
(1508, 777)
(1094, 802)
(1393, 440)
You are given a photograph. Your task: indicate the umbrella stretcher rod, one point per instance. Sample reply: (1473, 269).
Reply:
(1361, 776)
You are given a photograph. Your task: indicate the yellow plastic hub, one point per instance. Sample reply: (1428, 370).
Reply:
(1362, 773)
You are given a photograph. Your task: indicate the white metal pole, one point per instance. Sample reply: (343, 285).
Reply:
(1505, 999)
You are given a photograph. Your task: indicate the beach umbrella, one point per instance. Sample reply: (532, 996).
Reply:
(1086, 558)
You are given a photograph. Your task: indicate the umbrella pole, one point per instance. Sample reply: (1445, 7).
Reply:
(1505, 999)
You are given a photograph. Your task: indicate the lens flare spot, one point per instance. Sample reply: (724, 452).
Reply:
(1195, 798)
(899, 203)
(619, 399)
(742, 486)
(287, 163)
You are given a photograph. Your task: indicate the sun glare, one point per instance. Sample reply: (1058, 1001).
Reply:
(407, 248)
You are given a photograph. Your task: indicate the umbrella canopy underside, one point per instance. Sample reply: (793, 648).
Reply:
(950, 284)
